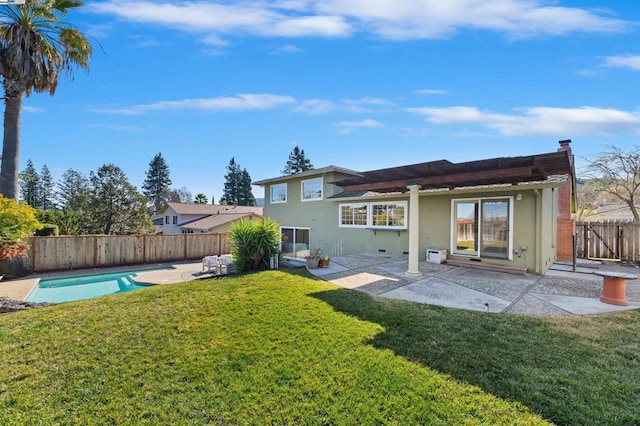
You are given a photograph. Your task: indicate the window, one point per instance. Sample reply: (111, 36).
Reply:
(187, 231)
(166, 220)
(279, 193)
(374, 215)
(175, 220)
(353, 215)
(482, 227)
(389, 215)
(312, 189)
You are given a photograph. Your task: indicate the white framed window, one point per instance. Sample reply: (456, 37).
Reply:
(166, 220)
(311, 189)
(354, 215)
(389, 215)
(378, 215)
(175, 220)
(482, 227)
(278, 193)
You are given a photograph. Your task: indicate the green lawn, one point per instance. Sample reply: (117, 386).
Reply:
(280, 348)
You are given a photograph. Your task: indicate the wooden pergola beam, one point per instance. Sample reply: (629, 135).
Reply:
(456, 179)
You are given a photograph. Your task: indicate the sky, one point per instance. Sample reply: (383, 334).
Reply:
(361, 84)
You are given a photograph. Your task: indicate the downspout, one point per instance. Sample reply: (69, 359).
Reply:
(538, 261)
(414, 231)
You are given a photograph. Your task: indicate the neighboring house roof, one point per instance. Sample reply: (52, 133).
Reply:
(611, 212)
(314, 172)
(210, 209)
(215, 221)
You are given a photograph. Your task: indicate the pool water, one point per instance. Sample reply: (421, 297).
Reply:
(83, 287)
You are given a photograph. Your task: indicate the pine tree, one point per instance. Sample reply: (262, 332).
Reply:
(237, 186)
(47, 190)
(29, 183)
(157, 180)
(73, 188)
(297, 162)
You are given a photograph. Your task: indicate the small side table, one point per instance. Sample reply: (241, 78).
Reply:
(614, 286)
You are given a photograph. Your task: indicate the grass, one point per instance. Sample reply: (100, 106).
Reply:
(282, 348)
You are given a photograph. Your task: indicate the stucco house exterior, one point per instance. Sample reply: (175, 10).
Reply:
(183, 218)
(513, 213)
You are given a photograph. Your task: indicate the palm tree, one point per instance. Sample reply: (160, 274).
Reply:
(36, 45)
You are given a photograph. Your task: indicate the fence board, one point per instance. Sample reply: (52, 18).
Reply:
(609, 240)
(95, 251)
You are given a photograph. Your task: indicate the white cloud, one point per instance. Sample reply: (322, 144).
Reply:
(32, 109)
(286, 49)
(395, 20)
(432, 92)
(631, 62)
(348, 126)
(316, 106)
(538, 121)
(242, 102)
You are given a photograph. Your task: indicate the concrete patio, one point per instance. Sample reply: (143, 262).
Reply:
(559, 292)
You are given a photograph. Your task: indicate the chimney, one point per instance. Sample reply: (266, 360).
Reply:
(564, 146)
(566, 224)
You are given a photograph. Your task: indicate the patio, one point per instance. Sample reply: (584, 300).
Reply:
(559, 292)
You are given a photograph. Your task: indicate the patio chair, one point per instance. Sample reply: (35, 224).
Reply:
(217, 263)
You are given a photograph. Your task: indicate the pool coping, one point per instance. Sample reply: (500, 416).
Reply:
(19, 289)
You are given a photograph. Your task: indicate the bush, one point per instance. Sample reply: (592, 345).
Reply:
(254, 244)
(48, 229)
(17, 221)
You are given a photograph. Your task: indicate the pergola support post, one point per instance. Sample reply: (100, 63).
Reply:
(414, 231)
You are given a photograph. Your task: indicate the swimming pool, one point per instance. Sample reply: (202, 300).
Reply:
(83, 287)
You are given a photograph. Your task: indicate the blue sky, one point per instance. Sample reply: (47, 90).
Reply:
(362, 84)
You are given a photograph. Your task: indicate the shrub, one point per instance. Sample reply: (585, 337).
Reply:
(254, 243)
(17, 221)
(47, 230)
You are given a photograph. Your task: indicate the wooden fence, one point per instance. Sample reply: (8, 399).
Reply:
(96, 251)
(608, 240)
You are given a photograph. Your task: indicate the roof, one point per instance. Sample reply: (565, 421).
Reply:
(215, 221)
(308, 173)
(445, 174)
(211, 209)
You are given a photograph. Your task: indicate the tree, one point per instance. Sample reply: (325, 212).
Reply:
(36, 45)
(46, 191)
(157, 181)
(115, 206)
(617, 172)
(184, 195)
(237, 186)
(201, 199)
(29, 183)
(588, 197)
(73, 190)
(297, 162)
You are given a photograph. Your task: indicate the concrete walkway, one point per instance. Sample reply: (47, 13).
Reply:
(559, 292)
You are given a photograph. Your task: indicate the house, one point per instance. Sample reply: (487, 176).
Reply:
(510, 212)
(611, 212)
(182, 218)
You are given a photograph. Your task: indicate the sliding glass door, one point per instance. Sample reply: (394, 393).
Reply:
(294, 242)
(482, 227)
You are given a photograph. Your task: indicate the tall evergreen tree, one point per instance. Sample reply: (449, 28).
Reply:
(47, 189)
(237, 186)
(29, 183)
(297, 162)
(157, 181)
(73, 189)
(115, 206)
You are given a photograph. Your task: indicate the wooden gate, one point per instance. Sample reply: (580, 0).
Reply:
(619, 240)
